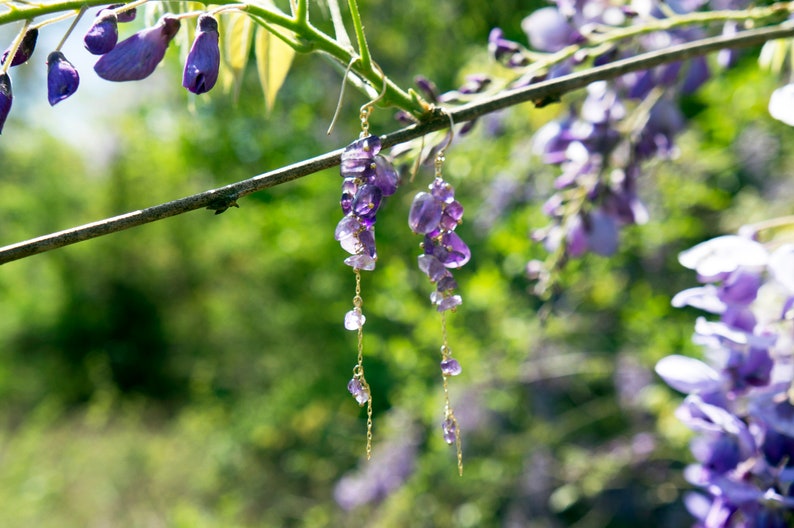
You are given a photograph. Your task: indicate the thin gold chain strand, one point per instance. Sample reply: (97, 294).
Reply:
(359, 370)
(449, 414)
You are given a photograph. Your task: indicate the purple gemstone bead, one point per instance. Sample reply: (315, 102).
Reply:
(448, 303)
(354, 320)
(432, 267)
(385, 177)
(442, 190)
(367, 201)
(457, 252)
(425, 213)
(454, 210)
(361, 262)
(450, 367)
(448, 223)
(357, 157)
(450, 430)
(447, 283)
(367, 240)
(346, 231)
(359, 392)
(349, 190)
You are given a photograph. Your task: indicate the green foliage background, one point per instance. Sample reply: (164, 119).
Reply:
(192, 373)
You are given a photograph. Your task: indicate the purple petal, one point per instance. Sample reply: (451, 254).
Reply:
(5, 98)
(25, 49)
(203, 61)
(723, 255)
(136, 57)
(688, 375)
(103, 34)
(62, 78)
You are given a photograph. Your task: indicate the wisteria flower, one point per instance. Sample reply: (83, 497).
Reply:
(25, 49)
(781, 104)
(62, 78)
(103, 34)
(136, 57)
(5, 98)
(203, 61)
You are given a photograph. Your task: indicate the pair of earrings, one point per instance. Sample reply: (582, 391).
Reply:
(368, 177)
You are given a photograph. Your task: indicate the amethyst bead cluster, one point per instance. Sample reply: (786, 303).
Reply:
(740, 400)
(436, 214)
(132, 59)
(368, 178)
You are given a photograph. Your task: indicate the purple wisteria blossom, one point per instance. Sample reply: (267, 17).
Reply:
(25, 49)
(781, 104)
(103, 34)
(739, 401)
(203, 61)
(136, 57)
(5, 98)
(62, 78)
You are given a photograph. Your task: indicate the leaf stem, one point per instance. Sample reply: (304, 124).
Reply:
(363, 48)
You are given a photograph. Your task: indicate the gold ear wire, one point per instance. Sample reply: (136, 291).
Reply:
(341, 95)
(366, 108)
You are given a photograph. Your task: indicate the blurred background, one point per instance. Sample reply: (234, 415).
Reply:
(192, 372)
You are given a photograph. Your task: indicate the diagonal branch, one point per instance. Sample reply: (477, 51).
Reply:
(224, 197)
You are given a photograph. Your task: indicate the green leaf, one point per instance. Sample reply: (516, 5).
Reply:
(236, 34)
(273, 61)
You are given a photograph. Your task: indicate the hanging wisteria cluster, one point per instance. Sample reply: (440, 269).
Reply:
(132, 59)
(740, 401)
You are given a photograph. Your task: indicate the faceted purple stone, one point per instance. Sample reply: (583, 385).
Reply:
(450, 429)
(448, 223)
(432, 267)
(447, 283)
(442, 190)
(367, 201)
(357, 156)
(386, 177)
(450, 367)
(359, 392)
(361, 262)
(425, 213)
(454, 210)
(448, 303)
(367, 240)
(354, 319)
(347, 227)
(458, 253)
(346, 231)
(349, 190)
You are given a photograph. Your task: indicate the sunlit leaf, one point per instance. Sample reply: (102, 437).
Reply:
(273, 61)
(236, 35)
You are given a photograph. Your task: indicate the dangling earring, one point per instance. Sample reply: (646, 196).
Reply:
(368, 177)
(436, 214)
